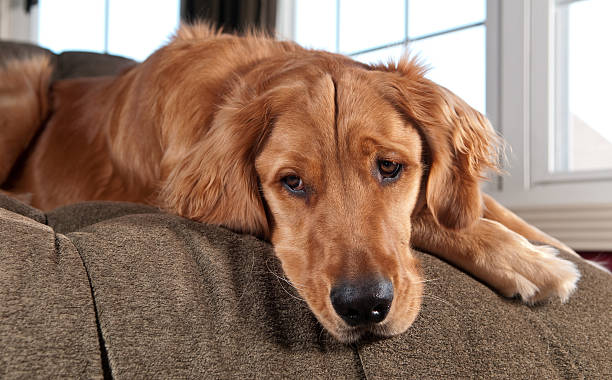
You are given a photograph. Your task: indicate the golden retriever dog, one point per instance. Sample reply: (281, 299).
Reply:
(343, 167)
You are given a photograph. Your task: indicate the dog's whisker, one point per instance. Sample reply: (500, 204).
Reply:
(278, 278)
(284, 278)
(291, 295)
(425, 280)
(280, 282)
(295, 285)
(436, 298)
(247, 285)
(410, 278)
(324, 335)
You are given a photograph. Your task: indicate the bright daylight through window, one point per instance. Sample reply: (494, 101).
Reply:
(451, 43)
(107, 26)
(582, 132)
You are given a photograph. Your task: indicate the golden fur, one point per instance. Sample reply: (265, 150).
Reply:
(211, 126)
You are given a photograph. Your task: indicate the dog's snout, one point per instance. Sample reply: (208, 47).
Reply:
(364, 301)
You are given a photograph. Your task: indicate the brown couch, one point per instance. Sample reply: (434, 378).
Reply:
(119, 290)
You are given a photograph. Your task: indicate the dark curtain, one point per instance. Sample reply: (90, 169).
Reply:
(29, 4)
(235, 16)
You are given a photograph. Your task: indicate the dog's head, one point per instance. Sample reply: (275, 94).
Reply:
(329, 160)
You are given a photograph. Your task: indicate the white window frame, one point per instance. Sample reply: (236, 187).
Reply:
(575, 207)
(546, 104)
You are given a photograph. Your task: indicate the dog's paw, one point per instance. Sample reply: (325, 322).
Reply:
(537, 274)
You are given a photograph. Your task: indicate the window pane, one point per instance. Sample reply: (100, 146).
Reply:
(71, 25)
(431, 16)
(583, 128)
(366, 24)
(382, 55)
(315, 24)
(156, 22)
(457, 61)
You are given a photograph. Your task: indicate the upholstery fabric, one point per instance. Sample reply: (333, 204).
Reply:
(131, 292)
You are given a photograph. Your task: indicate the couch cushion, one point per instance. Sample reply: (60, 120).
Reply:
(47, 321)
(77, 216)
(19, 50)
(214, 303)
(176, 298)
(71, 64)
(184, 299)
(11, 204)
(75, 64)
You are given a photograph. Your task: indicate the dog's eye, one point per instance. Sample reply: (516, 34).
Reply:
(389, 170)
(294, 184)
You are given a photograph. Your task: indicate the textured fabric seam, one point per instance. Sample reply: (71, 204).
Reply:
(550, 338)
(106, 368)
(361, 363)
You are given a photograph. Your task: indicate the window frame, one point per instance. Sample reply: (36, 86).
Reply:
(547, 105)
(525, 53)
(286, 21)
(574, 207)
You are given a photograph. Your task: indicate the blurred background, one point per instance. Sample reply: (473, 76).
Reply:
(538, 69)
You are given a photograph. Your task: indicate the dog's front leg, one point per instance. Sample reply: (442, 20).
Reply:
(500, 257)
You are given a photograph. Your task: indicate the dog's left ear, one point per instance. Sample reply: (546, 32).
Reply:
(215, 181)
(460, 141)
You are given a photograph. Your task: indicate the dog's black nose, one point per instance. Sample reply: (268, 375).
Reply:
(364, 301)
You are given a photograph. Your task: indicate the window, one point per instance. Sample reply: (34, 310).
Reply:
(132, 28)
(582, 133)
(452, 43)
(538, 71)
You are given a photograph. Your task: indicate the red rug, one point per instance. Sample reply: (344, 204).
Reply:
(603, 258)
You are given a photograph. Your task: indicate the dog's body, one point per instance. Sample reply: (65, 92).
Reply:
(341, 165)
